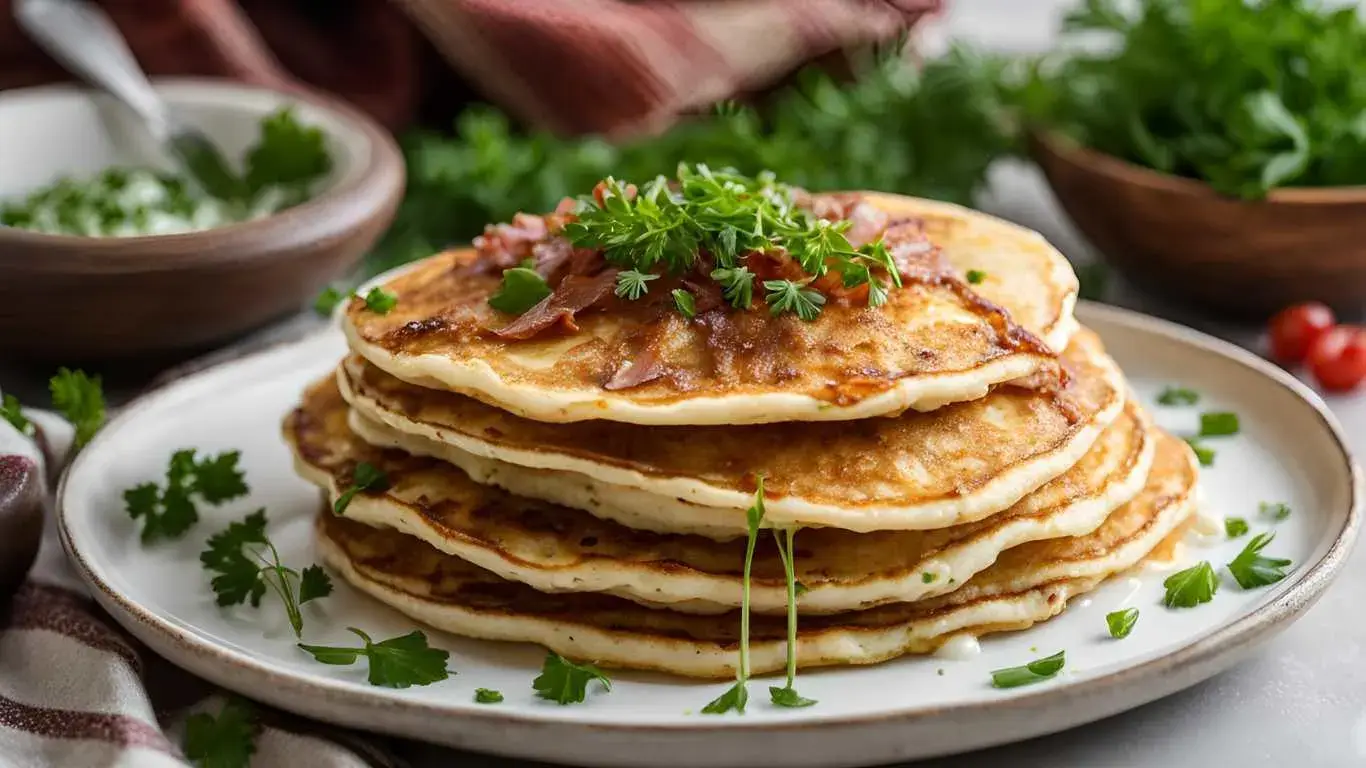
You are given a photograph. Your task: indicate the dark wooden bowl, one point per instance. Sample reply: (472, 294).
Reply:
(1179, 238)
(66, 298)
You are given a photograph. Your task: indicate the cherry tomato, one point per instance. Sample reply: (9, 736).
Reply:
(1294, 329)
(1338, 358)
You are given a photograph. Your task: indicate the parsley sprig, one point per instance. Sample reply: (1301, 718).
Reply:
(80, 398)
(365, 477)
(1191, 587)
(1033, 672)
(737, 696)
(10, 411)
(225, 741)
(399, 662)
(1251, 570)
(168, 512)
(787, 696)
(246, 564)
(565, 682)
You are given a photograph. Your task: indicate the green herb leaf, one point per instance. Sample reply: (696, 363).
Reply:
(737, 286)
(1033, 672)
(327, 301)
(365, 477)
(80, 398)
(685, 303)
(1093, 281)
(787, 296)
(1121, 623)
(10, 411)
(1251, 570)
(487, 696)
(1218, 424)
(786, 697)
(1191, 587)
(522, 289)
(380, 301)
(734, 699)
(167, 513)
(225, 741)
(1203, 453)
(399, 662)
(566, 682)
(1275, 512)
(288, 154)
(926, 577)
(1178, 396)
(976, 276)
(246, 564)
(1235, 527)
(737, 696)
(631, 285)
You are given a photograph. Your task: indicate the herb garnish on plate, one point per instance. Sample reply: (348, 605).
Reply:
(1191, 587)
(565, 682)
(1121, 622)
(1252, 570)
(168, 512)
(1033, 672)
(246, 563)
(399, 662)
(365, 477)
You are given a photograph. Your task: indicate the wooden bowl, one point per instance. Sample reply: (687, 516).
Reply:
(1178, 238)
(67, 298)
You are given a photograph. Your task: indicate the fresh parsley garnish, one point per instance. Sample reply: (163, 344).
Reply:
(522, 289)
(11, 411)
(365, 477)
(926, 577)
(1191, 587)
(169, 511)
(80, 398)
(564, 682)
(1178, 396)
(1121, 623)
(328, 300)
(976, 276)
(737, 696)
(225, 741)
(1275, 512)
(246, 564)
(1218, 424)
(632, 285)
(687, 306)
(737, 285)
(487, 696)
(787, 296)
(1033, 672)
(1203, 453)
(787, 696)
(398, 662)
(1251, 570)
(380, 301)
(1234, 527)
(289, 155)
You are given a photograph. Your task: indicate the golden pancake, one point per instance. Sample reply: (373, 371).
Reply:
(934, 342)
(1027, 584)
(916, 471)
(556, 549)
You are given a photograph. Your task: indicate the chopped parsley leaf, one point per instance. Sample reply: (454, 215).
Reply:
(80, 398)
(225, 741)
(365, 477)
(1191, 587)
(1121, 623)
(976, 276)
(167, 513)
(1276, 512)
(1218, 424)
(11, 411)
(327, 301)
(487, 696)
(1178, 396)
(564, 682)
(1033, 672)
(926, 577)
(1203, 453)
(399, 662)
(380, 301)
(1235, 527)
(1252, 570)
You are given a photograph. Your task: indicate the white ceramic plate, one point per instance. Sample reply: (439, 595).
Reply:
(1289, 450)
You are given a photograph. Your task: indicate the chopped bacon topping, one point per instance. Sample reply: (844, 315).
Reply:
(506, 245)
(574, 294)
(916, 258)
(644, 367)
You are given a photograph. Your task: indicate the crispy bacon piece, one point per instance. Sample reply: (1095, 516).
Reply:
(644, 366)
(916, 258)
(574, 294)
(868, 222)
(505, 245)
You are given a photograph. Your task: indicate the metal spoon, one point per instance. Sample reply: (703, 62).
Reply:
(86, 42)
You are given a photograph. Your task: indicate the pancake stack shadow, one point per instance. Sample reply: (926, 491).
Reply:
(962, 461)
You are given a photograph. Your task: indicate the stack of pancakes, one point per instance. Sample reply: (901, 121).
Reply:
(962, 460)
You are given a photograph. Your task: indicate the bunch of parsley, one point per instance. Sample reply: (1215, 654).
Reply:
(929, 130)
(1245, 95)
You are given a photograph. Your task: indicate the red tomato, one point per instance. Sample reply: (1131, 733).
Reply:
(1338, 358)
(1294, 329)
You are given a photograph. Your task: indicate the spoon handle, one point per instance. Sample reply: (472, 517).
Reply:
(86, 42)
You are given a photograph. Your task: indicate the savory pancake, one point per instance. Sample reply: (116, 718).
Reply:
(556, 549)
(916, 471)
(936, 340)
(1027, 584)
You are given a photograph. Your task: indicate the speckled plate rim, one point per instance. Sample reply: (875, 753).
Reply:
(734, 741)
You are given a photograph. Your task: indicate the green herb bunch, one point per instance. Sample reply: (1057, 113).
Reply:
(1245, 95)
(929, 131)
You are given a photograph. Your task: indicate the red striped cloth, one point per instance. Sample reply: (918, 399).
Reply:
(606, 66)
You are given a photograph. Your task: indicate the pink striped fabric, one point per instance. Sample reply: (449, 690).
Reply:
(78, 692)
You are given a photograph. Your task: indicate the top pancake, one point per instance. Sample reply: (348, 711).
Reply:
(932, 343)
